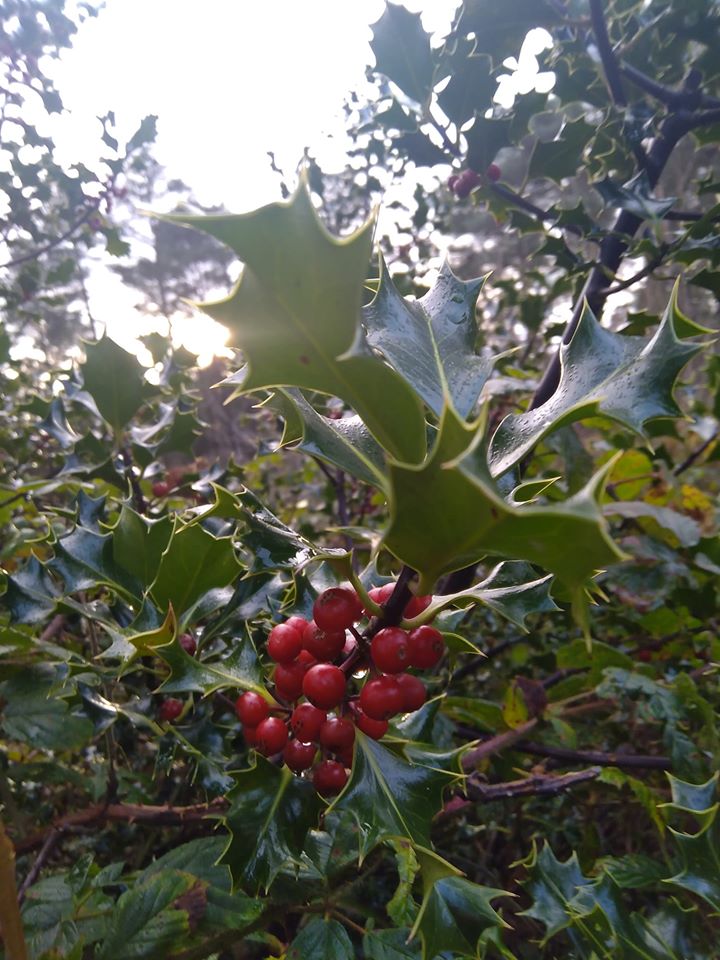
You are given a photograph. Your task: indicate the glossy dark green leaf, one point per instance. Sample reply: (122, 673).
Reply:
(270, 814)
(144, 923)
(552, 886)
(402, 51)
(431, 341)
(470, 89)
(687, 530)
(239, 669)
(33, 713)
(561, 158)
(390, 945)
(31, 593)
(138, 543)
(193, 563)
(389, 797)
(699, 849)
(114, 379)
(84, 559)
(628, 379)
(485, 137)
(56, 425)
(470, 519)
(455, 914)
(635, 196)
(302, 288)
(346, 443)
(321, 939)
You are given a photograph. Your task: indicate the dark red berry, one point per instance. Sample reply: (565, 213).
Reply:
(160, 488)
(170, 709)
(465, 183)
(187, 642)
(337, 609)
(297, 623)
(426, 647)
(329, 777)
(381, 699)
(345, 756)
(299, 756)
(381, 595)
(413, 691)
(416, 606)
(452, 181)
(250, 734)
(306, 721)
(389, 650)
(306, 659)
(289, 679)
(337, 733)
(251, 708)
(493, 172)
(324, 645)
(272, 735)
(284, 643)
(324, 685)
(644, 655)
(376, 729)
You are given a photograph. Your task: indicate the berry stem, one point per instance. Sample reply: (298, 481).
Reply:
(369, 604)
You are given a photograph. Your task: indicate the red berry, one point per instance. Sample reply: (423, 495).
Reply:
(337, 733)
(381, 595)
(413, 691)
(272, 735)
(250, 734)
(376, 729)
(493, 172)
(381, 699)
(289, 679)
(299, 756)
(337, 609)
(306, 659)
(329, 777)
(644, 655)
(324, 685)
(170, 709)
(306, 721)
(345, 756)
(284, 643)
(187, 642)
(297, 623)
(426, 647)
(389, 650)
(251, 708)
(323, 644)
(452, 181)
(466, 182)
(160, 488)
(416, 606)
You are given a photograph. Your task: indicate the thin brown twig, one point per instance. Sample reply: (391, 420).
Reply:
(539, 784)
(696, 454)
(40, 861)
(496, 744)
(597, 757)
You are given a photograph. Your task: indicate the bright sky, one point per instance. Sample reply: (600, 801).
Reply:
(229, 80)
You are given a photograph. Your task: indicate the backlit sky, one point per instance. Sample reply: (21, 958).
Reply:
(229, 80)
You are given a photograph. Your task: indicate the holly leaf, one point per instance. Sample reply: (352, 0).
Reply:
(302, 288)
(635, 196)
(431, 341)
(475, 520)
(84, 559)
(239, 669)
(114, 379)
(402, 51)
(627, 379)
(193, 563)
(322, 939)
(31, 593)
(346, 443)
(270, 814)
(552, 886)
(138, 543)
(34, 714)
(389, 797)
(389, 945)
(470, 89)
(145, 922)
(700, 851)
(455, 914)
(561, 158)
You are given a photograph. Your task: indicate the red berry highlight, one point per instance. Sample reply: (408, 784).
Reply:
(284, 643)
(251, 708)
(389, 650)
(337, 609)
(324, 686)
(329, 777)
(271, 735)
(426, 647)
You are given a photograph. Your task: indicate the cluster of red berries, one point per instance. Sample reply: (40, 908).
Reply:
(315, 661)
(462, 184)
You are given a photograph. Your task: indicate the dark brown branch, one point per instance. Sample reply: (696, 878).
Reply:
(544, 216)
(131, 477)
(496, 744)
(650, 267)
(690, 460)
(609, 62)
(541, 784)
(703, 118)
(677, 99)
(155, 816)
(34, 872)
(621, 760)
